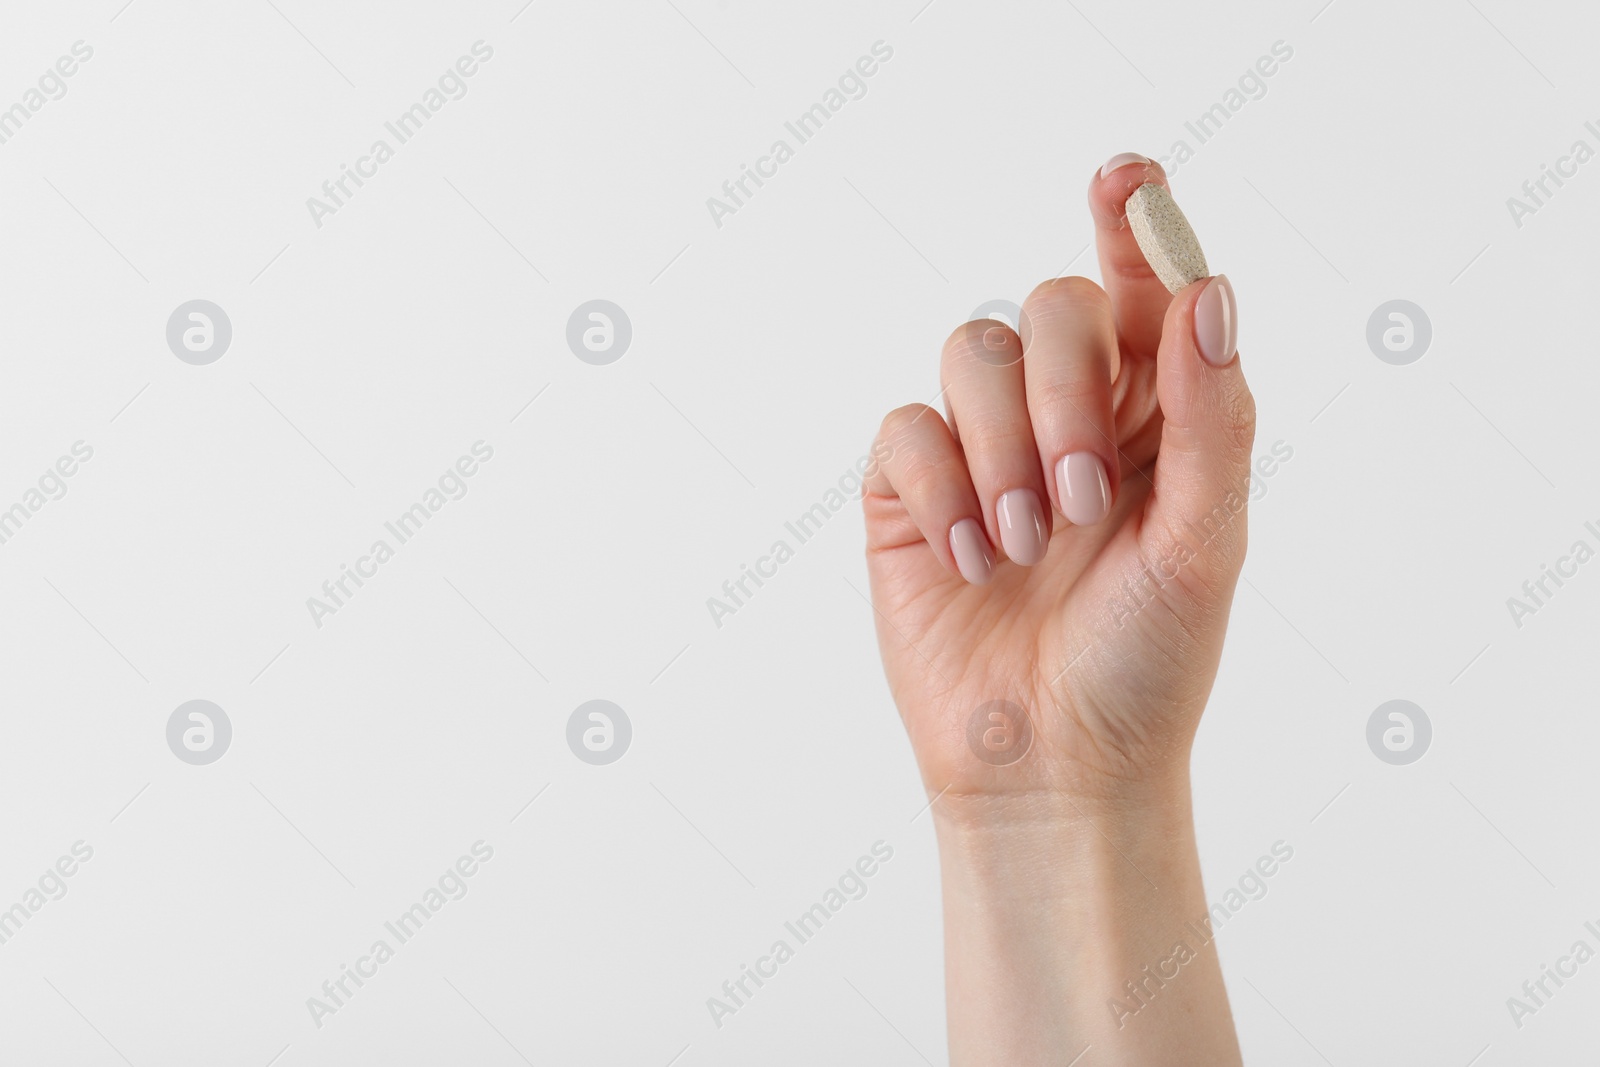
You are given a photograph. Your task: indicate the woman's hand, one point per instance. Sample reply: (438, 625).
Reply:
(1068, 542)
(1052, 570)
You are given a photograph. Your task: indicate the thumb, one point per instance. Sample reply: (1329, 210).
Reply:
(1196, 516)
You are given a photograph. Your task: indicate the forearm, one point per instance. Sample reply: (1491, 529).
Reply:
(1077, 923)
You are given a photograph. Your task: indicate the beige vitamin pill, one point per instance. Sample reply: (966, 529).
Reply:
(1165, 237)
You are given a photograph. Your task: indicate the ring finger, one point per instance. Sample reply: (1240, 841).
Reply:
(986, 394)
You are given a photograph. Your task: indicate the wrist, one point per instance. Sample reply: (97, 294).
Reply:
(1073, 855)
(1065, 804)
(1057, 906)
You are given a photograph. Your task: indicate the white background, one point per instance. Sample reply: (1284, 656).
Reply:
(370, 353)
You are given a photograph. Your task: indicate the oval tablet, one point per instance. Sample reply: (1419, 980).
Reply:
(1165, 237)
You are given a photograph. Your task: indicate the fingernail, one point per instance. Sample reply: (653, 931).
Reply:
(1121, 160)
(974, 557)
(1085, 489)
(1216, 322)
(1022, 526)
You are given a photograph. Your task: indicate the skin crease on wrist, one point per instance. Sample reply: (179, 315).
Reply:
(1064, 546)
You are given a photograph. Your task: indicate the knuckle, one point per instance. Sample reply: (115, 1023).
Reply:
(988, 341)
(900, 422)
(1072, 405)
(1074, 386)
(921, 472)
(1060, 297)
(992, 436)
(1130, 270)
(904, 446)
(1237, 419)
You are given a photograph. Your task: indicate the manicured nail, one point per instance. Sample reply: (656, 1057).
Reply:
(1085, 489)
(1216, 322)
(1022, 526)
(1121, 160)
(974, 557)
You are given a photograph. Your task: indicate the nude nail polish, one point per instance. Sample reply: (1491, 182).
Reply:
(1216, 322)
(974, 557)
(1085, 490)
(1022, 529)
(1121, 160)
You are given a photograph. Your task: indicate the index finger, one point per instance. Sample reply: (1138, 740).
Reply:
(1138, 298)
